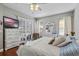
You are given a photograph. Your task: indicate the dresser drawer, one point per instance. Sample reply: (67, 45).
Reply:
(11, 45)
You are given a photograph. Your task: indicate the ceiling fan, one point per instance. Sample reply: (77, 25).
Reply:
(35, 7)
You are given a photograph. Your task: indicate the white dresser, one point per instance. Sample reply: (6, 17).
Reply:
(11, 38)
(16, 36)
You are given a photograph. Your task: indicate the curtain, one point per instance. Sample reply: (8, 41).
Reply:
(65, 25)
(68, 25)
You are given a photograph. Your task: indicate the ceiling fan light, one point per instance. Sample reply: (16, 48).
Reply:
(34, 7)
(37, 6)
(31, 6)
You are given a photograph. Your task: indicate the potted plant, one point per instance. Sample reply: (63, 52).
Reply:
(72, 33)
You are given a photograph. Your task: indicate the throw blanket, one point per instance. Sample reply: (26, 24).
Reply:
(72, 49)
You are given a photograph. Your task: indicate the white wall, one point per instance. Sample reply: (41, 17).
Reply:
(1, 27)
(5, 11)
(76, 20)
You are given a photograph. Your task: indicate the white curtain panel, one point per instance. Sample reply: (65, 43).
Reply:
(68, 25)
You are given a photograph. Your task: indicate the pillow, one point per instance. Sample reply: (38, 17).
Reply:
(51, 42)
(77, 41)
(64, 43)
(58, 40)
(68, 38)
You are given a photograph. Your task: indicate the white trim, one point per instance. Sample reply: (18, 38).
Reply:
(1, 50)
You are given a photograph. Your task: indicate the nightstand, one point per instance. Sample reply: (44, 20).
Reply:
(35, 36)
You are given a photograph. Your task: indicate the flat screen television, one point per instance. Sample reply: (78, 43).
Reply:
(10, 22)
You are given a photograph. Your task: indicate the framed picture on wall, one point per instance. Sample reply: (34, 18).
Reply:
(10, 22)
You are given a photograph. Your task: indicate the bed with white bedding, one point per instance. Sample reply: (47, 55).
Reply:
(38, 47)
(41, 47)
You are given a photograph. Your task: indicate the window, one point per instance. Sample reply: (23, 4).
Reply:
(61, 26)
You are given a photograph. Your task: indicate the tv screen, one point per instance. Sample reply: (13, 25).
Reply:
(10, 22)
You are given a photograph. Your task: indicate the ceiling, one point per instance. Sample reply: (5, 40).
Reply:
(47, 9)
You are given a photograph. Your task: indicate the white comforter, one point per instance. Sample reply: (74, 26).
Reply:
(39, 47)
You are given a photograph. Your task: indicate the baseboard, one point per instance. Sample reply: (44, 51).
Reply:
(1, 50)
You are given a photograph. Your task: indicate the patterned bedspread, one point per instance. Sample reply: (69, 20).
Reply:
(72, 49)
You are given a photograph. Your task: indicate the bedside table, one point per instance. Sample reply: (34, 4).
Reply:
(35, 36)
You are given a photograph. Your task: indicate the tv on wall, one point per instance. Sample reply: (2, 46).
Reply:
(10, 22)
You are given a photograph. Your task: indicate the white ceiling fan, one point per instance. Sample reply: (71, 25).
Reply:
(35, 7)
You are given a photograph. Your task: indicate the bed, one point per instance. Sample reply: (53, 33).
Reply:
(39, 47)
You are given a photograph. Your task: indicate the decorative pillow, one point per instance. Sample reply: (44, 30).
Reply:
(58, 40)
(68, 38)
(64, 43)
(51, 42)
(77, 41)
